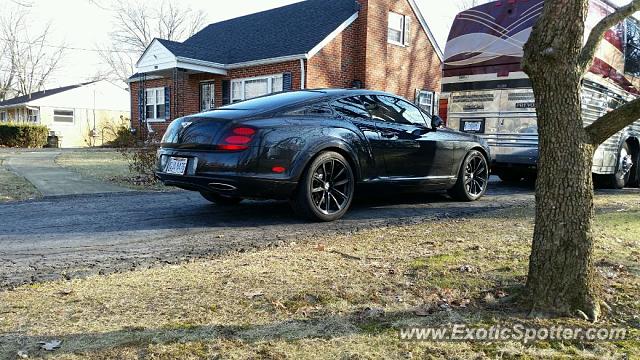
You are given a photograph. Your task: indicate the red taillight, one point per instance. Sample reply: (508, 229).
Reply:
(237, 139)
(244, 131)
(232, 147)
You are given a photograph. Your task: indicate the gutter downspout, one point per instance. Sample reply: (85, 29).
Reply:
(302, 75)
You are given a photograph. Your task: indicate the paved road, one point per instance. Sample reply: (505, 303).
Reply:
(40, 169)
(76, 236)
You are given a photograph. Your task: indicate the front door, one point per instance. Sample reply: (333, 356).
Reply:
(353, 109)
(412, 149)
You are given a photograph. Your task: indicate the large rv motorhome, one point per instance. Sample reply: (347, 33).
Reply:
(486, 92)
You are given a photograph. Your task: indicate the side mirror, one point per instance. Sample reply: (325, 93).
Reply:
(436, 122)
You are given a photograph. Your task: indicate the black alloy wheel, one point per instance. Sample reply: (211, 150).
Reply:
(326, 190)
(472, 179)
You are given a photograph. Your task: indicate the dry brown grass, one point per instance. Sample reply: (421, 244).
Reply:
(309, 300)
(107, 166)
(14, 187)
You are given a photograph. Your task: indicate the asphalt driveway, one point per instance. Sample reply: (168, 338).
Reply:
(40, 169)
(77, 236)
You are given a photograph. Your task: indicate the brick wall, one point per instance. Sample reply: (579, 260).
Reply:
(340, 62)
(398, 69)
(361, 52)
(185, 89)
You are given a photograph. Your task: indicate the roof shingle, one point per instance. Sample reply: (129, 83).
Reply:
(39, 95)
(285, 31)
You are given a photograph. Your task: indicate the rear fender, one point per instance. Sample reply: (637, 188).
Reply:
(354, 156)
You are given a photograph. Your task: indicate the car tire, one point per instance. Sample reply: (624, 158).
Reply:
(634, 181)
(319, 199)
(510, 177)
(622, 176)
(473, 178)
(221, 200)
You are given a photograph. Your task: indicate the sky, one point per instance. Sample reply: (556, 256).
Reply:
(82, 24)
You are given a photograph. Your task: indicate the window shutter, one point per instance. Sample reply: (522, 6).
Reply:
(287, 82)
(226, 92)
(141, 108)
(407, 30)
(167, 103)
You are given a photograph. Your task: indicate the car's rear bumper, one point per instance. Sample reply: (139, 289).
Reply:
(240, 186)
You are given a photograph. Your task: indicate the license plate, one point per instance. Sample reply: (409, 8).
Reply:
(472, 126)
(176, 166)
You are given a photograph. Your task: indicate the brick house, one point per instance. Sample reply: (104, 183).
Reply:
(374, 44)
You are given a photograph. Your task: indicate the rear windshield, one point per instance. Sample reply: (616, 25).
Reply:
(276, 101)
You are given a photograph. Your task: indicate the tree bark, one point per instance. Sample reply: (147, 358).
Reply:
(561, 276)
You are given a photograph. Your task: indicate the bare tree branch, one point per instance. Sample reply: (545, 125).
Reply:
(137, 23)
(609, 124)
(29, 61)
(22, 3)
(597, 33)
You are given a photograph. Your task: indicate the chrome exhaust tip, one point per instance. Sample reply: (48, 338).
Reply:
(222, 187)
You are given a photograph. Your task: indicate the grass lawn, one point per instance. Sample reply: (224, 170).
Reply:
(14, 187)
(343, 297)
(107, 166)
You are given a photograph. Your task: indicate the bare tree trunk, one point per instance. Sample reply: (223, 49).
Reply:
(561, 276)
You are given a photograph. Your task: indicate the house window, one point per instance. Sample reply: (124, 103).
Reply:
(63, 116)
(155, 105)
(245, 89)
(207, 96)
(33, 115)
(398, 31)
(3, 116)
(426, 101)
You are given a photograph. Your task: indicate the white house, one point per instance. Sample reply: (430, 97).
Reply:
(79, 115)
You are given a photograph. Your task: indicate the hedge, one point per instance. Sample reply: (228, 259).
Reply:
(23, 135)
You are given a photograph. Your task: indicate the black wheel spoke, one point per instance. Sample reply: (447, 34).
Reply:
(336, 201)
(343, 195)
(476, 175)
(331, 186)
(341, 182)
(321, 201)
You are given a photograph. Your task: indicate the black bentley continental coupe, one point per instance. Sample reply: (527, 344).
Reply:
(314, 147)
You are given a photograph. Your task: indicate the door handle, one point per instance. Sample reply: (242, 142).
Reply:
(388, 135)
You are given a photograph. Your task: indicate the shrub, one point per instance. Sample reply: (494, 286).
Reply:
(23, 135)
(142, 160)
(122, 138)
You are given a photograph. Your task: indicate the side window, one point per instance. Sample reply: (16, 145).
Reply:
(311, 110)
(380, 110)
(394, 110)
(411, 113)
(351, 108)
